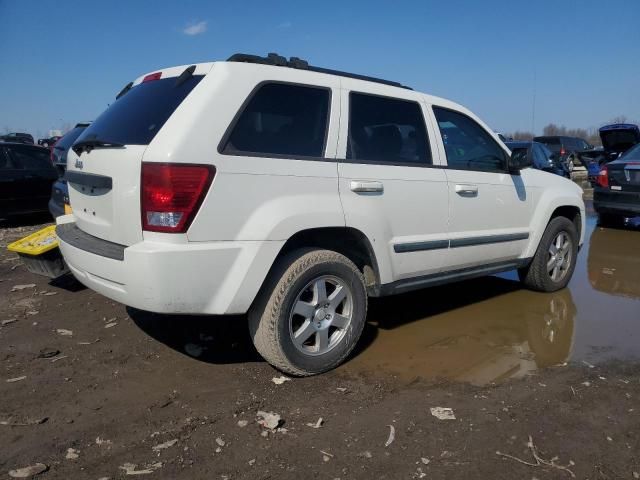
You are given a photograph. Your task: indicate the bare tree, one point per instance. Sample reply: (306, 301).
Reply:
(521, 136)
(552, 129)
(618, 119)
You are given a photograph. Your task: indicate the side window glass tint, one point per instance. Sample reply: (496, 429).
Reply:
(385, 129)
(6, 163)
(31, 158)
(281, 119)
(468, 146)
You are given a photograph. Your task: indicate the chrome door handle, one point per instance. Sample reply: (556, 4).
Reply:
(467, 190)
(366, 187)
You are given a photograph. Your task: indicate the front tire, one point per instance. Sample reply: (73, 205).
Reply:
(310, 313)
(555, 259)
(571, 165)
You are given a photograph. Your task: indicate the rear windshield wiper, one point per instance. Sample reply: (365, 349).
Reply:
(90, 144)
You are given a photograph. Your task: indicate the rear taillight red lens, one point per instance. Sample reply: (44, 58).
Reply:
(172, 194)
(603, 177)
(562, 152)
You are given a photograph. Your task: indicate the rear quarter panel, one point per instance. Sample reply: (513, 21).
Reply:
(251, 198)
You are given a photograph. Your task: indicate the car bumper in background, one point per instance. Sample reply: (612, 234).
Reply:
(189, 278)
(617, 203)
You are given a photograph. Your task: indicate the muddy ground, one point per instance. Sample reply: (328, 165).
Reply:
(89, 388)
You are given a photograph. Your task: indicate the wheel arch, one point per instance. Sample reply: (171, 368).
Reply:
(571, 207)
(348, 241)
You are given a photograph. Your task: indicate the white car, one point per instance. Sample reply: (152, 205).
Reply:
(292, 193)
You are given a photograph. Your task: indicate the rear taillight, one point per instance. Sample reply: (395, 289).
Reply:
(603, 177)
(172, 194)
(562, 151)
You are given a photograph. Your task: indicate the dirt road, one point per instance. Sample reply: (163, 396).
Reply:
(92, 390)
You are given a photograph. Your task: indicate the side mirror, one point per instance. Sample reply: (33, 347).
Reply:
(519, 160)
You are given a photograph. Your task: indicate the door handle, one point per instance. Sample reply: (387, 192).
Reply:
(366, 187)
(467, 190)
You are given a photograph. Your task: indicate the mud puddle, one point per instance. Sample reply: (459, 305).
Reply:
(490, 329)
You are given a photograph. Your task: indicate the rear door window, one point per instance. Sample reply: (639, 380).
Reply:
(468, 146)
(386, 130)
(281, 120)
(553, 143)
(137, 116)
(31, 158)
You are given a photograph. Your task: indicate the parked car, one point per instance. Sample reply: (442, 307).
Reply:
(49, 142)
(616, 139)
(540, 156)
(269, 205)
(17, 137)
(59, 203)
(26, 176)
(566, 148)
(616, 195)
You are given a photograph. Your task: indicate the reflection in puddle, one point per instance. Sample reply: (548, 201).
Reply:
(489, 329)
(504, 335)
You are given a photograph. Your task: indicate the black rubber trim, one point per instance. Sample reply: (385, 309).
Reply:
(460, 242)
(471, 241)
(420, 246)
(443, 278)
(71, 234)
(89, 179)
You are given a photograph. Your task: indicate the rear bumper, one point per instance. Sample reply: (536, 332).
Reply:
(616, 203)
(55, 209)
(215, 278)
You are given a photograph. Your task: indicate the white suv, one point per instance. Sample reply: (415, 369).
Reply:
(268, 186)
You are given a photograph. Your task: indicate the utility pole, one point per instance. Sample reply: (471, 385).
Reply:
(533, 102)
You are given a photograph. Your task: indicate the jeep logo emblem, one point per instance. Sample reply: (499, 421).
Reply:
(79, 164)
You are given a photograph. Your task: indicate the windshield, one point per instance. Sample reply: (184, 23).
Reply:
(137, 116)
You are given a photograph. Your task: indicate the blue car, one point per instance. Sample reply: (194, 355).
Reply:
(60, 190)
(542, 158)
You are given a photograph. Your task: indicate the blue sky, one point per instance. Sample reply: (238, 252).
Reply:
(64, 61)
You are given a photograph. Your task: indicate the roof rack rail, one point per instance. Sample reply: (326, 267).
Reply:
(294, 62)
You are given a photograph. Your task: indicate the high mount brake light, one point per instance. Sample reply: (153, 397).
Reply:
(171, 194)
(152, 76)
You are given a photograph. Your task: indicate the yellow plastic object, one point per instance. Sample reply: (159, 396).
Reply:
(37, 243)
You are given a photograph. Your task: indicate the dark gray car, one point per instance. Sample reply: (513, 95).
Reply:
(566, 148)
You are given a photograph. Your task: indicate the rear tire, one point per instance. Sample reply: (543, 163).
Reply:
(555, 259)
(310, 312)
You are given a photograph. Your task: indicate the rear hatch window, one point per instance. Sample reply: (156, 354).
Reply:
(137, 116)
